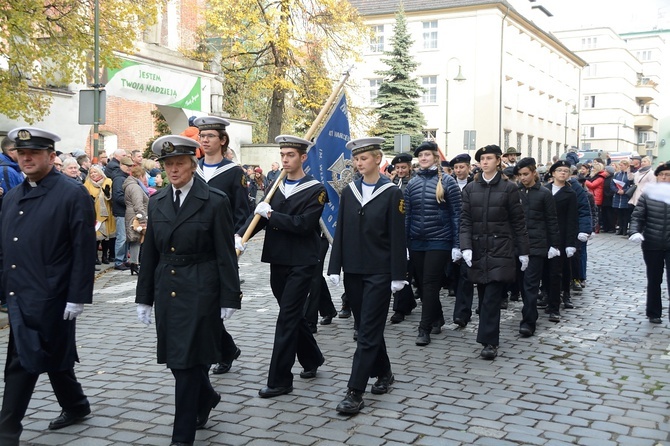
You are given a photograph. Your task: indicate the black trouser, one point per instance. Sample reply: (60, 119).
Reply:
(529, 291)
(623, 215)
(370, 298)
(551, 281)
(609, 219)
(319, 300)
(290, 286)
(19, 386)
(403, 300)
(429, 268)
(192, 389)
(464, 294)
(490, 296)
(228, 347)
(655, 261)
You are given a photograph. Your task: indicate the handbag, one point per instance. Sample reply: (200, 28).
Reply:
(631, 190)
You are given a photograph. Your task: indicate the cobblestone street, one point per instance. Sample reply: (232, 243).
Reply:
(599, 377)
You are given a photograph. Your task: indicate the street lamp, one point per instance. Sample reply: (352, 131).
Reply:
(565, 127)
(459, 78)
(618, 126)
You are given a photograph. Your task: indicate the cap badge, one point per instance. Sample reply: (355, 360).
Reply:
(24, 135)
(168, 147)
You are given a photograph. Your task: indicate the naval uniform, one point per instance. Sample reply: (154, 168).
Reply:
(370, 248)
(291, 247)
(46, 250)
(231, 180)
(189, 272)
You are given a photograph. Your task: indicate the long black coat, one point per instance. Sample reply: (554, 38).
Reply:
(370, 238)
(651, 217)
(541, 220)
(494, 228)
(230, 179)
(47, 245)
(292, 234)
(566, 211)
(189, 272)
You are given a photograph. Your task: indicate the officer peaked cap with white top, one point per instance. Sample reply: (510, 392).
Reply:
(174, 145)
(293, 142)
(361, 145)
(33, 138)
(211, 123)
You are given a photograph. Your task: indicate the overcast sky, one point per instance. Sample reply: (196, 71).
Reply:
(620, 15)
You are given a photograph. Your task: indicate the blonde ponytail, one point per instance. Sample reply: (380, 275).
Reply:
(439, 190)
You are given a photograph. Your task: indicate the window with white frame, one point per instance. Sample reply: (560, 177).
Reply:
(589, 43)
(508, 133)
(530, 145)
(519, 140)
(588, 131)
(540, 141)
(430, 35)
(429, 134)
(643, 56)
(644, 109)
(590, 70)
(377, 39)
(589, 101)
(374, 90)
(430, 93)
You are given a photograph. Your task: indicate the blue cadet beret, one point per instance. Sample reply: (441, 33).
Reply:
(509, 171)
(444, 163)
(211, 123)
(559, 163)
(523, 162)
(462, 158)
(174, 145)
(33, 138)
(402, 158)
(426, 145)
(361, 145)
(293, 142)
(490, 149)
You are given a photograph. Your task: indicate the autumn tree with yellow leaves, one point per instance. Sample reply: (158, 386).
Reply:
(47, 44)
(274, 54)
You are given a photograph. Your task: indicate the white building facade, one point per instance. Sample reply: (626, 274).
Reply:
(491, 76)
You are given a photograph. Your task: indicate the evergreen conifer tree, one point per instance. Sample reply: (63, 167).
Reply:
(398, 111)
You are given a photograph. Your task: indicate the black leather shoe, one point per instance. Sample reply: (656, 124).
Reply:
(567, 303)
(423, 338)
(554, 317)
(309, 374)
(352, 403)
(460, 322)
(541, 303)
(655, 320)
(383, 383)
(504, 304)
(203, 413)
(397, 317)
(312, 328)
(97, 261)
(121, 267)
(327, 320)
(489, 352)
(525, 332)
(514, 297)
(271, 392)
(344, 313)
(68, 419)
(436, 329)
(225, 366)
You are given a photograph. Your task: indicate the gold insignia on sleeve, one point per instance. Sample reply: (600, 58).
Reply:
(243, 181)
(322, 197)
(401, 206)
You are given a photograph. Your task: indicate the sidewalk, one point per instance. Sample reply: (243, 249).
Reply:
(599, 377)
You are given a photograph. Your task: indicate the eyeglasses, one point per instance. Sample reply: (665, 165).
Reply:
(208, 135)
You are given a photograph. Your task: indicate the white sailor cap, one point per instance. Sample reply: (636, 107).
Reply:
(361, 145)
(174, 145)
(293, 142)
(33, 138)
(211, 123)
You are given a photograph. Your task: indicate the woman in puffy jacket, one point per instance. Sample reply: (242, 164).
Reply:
(596, 186)
(432, 213)
(650, 225)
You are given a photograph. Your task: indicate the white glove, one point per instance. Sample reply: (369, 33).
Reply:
(263, 209)
(456, 254)
(72, 311)
(570, 251)
(592, 236)
(636, 238)
(582, 236)
(524, 262)
(144, 313)
(397, 285)
(467, 256)
(227, 313)
(334, 279)
(407, 253)
(239, 245)
(553, 252)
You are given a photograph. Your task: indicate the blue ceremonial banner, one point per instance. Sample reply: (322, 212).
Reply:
(329, 161)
